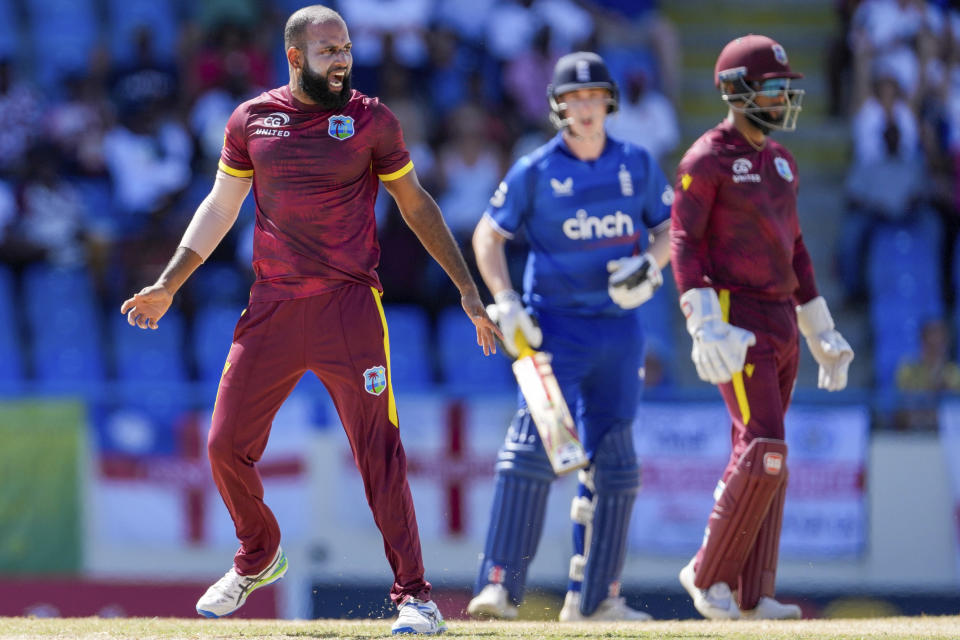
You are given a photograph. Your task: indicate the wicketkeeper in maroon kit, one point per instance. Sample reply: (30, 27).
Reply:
(314, 152)
(747, 286)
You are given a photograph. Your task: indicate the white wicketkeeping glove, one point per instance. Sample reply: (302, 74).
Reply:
(509, 314)
(633, 280)
(831, 351)
(719, 348)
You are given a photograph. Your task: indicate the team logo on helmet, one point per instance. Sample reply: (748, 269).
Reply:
(340, 127)
(779, 54)
(583, 71)
(375, 380)
(783, 168)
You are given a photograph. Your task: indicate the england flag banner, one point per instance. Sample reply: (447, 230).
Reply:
(683, 451)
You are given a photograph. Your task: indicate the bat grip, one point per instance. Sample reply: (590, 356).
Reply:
(523, 347)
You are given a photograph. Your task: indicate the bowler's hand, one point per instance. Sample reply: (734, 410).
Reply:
(146, 308)
(486, 328)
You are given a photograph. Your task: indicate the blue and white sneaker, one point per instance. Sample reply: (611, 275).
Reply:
(419, 617)
(229, 593)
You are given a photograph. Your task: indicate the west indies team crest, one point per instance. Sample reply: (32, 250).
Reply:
(783, 168)
(340, 127)
(375, 379)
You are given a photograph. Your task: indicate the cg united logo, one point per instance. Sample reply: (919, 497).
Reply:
(375, 380)
(272, 124)
(276, 119)
(340, 127)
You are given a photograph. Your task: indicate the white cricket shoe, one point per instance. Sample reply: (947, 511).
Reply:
(613, 609)
(229, 593)
(715, 603)
(493, 601)
(771, 609)
(419, 617)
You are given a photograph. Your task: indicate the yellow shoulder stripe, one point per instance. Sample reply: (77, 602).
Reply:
(240, 173)
(399, 173)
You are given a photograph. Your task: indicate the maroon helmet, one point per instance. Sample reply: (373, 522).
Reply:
(757, 66)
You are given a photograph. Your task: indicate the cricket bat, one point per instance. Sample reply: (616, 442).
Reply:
(548, 408)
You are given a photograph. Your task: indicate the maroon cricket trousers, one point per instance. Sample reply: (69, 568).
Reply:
(342, 337)
(757, 400)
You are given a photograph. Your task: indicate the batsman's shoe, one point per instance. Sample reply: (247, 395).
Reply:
(771, 609)
(493, 601)
(613, 609)
(715, 603)
(229, 593)
(419, 617)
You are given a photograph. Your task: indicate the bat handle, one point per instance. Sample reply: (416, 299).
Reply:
(523, 347)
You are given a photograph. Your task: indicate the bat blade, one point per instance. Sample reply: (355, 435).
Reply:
(550, 412)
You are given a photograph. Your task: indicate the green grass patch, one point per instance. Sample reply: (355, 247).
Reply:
(918, 628)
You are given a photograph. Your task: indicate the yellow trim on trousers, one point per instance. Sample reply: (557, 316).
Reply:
(391, 400)
(738, 389)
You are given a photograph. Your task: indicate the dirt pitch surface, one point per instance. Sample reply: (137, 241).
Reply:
(942, 627)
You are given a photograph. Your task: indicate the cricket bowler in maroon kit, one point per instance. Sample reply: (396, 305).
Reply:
(314, 152)
(748, 291)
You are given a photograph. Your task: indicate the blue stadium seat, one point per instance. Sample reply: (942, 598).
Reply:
(904, 281)
(97, 196)
(221, 284)
(65, 328)
(146, 356)
(63, 33)
(45, 285)
(126, 16)
(463, 366)
(9, 30)
(657, 316)
(411, 354)
(213, 328)
(11, 357)
(151, 373)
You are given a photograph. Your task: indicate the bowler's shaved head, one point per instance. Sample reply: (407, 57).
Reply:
(298, 22)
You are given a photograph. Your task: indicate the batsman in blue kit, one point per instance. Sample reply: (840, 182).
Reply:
(596, 215)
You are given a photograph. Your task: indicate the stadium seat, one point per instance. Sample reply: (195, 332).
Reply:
(464, 368)
(219, 283)
(151, 373)
(9, 29)
(97, 197)
(410, 349)
(64, 324)
(11, 358)
(147, 356)
(63, 33)
(904, 280)
(657, 316)
(213, 327)
(126, 16)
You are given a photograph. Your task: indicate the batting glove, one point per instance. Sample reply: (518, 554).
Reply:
(633, 280)
(831, 351)
(719, 348)
(509, 314)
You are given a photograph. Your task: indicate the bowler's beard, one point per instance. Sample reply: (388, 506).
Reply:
(315, 86)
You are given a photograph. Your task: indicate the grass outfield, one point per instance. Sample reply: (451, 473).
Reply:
(166, 628)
